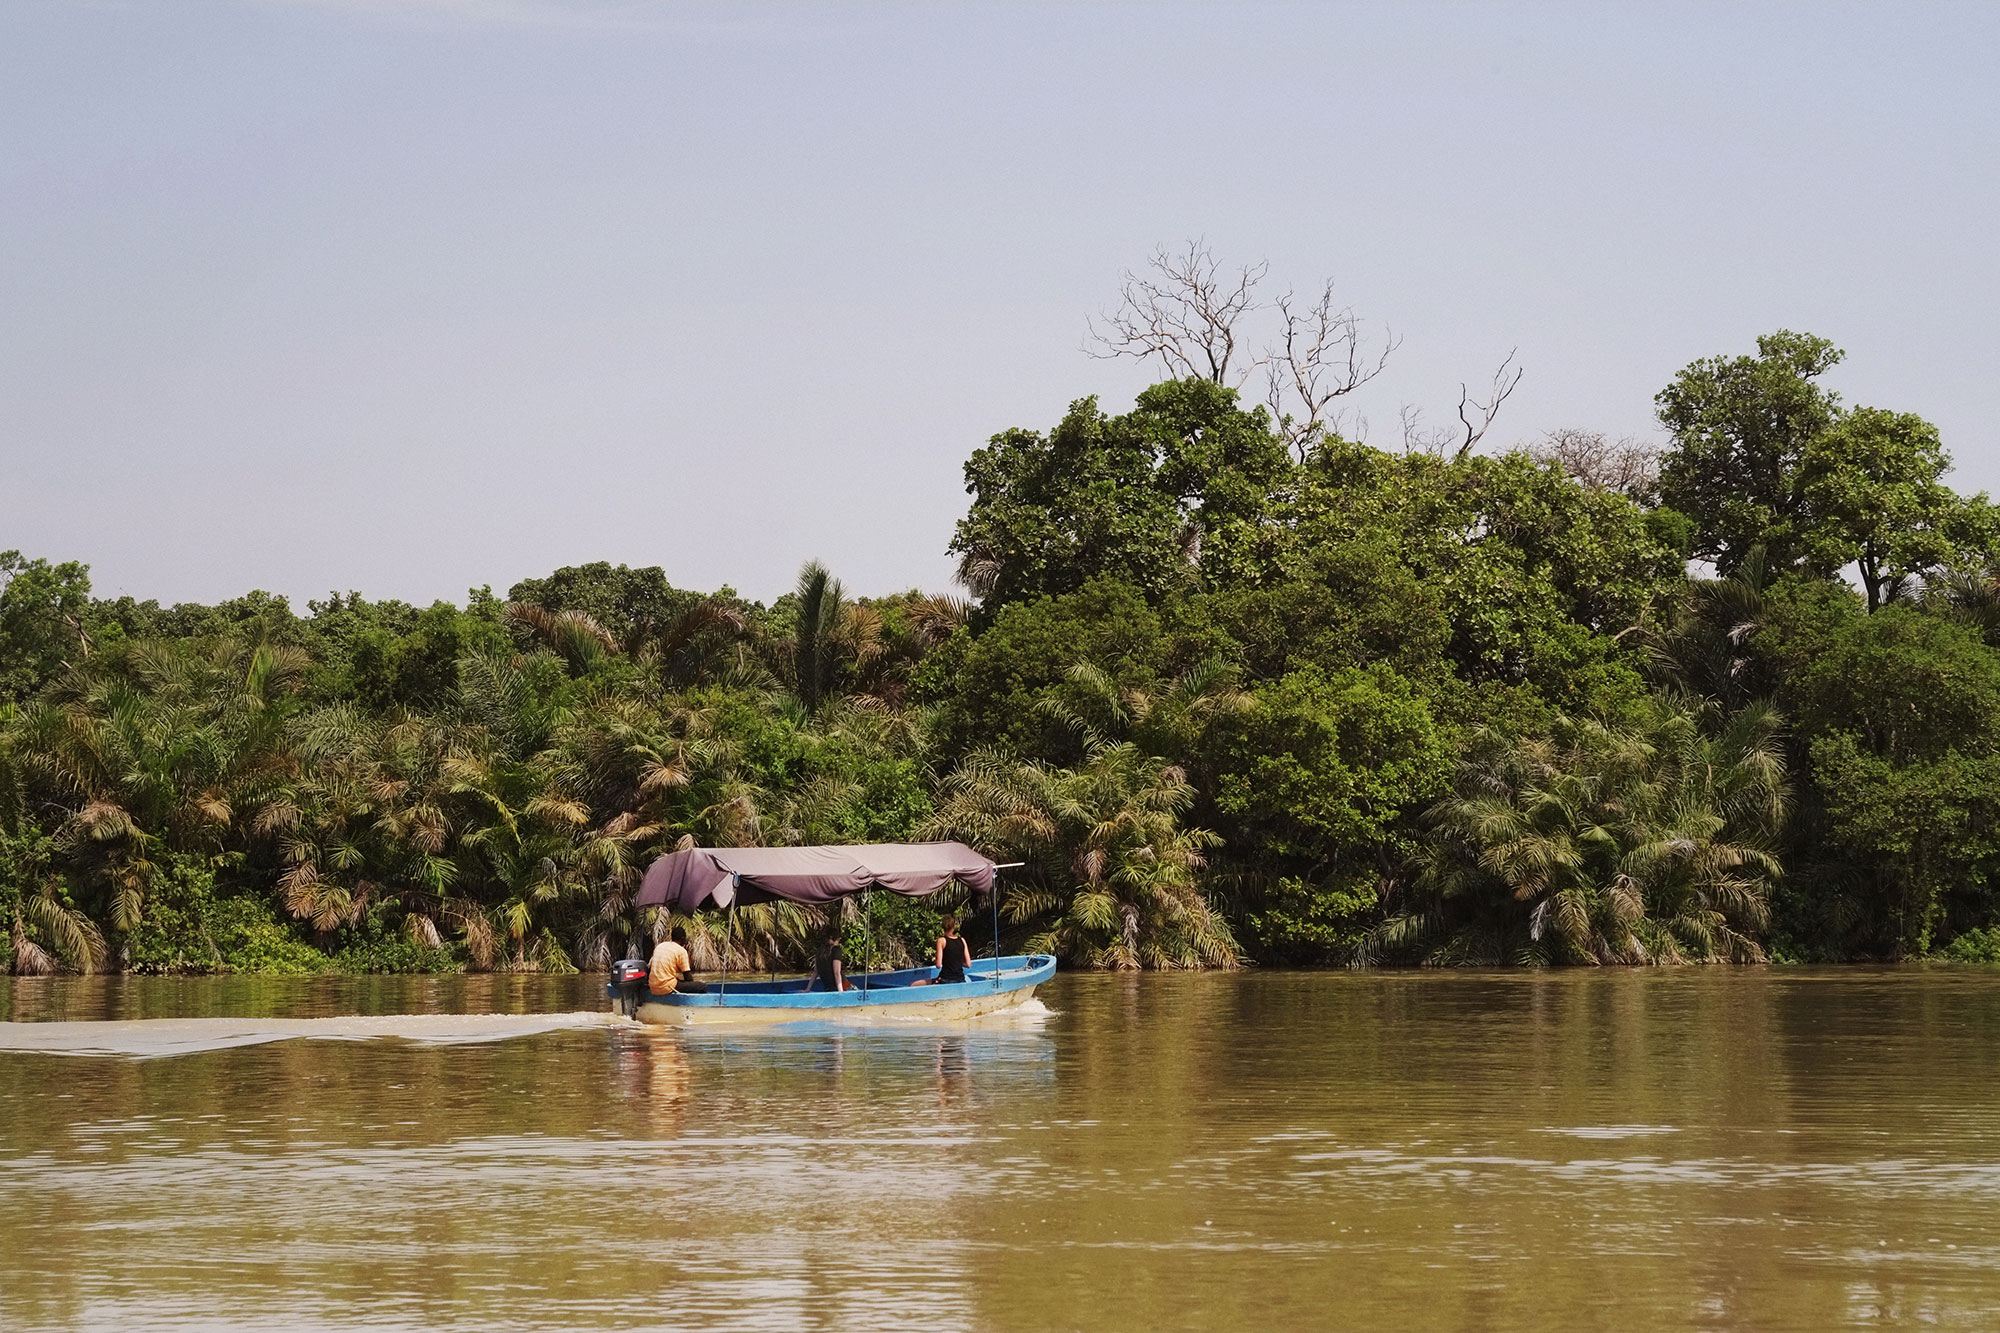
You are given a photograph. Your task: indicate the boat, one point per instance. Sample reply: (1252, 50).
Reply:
(886, 995)
(728, 877)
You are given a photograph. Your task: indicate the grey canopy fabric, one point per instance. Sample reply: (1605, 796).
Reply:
(724, 876)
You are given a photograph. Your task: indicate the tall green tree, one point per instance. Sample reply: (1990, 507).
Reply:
(817, 622)
(1741, 427)
(990, 692)
(1897, 716)
(1765, 458)
(1314, 792)
(43, 613)
(1871, 486)
(1141, 497)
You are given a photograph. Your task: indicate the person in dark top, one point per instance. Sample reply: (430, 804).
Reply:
(830, 968)
(954, 955)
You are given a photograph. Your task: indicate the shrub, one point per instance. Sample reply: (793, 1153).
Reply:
(1975, 946)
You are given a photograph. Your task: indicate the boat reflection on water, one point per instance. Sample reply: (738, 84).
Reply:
(812, 1174)
(662, 1070)
(951, 1068)
(656, 1078)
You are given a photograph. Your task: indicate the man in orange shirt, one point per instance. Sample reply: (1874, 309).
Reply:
(668, 969)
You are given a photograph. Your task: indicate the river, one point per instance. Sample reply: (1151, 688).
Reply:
(1750, 1148)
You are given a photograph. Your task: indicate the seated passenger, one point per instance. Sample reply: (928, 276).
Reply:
(668, 971)
(830, 968)
(954, 955)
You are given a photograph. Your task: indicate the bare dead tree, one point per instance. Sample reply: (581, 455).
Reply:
(1318, 359)
(1421, 439)
(1505, 381)
(1187, 312)
(1625, 466)
(1184, 311)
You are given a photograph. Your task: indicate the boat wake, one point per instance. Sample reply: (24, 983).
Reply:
(153, 1037)
(1028, 1013)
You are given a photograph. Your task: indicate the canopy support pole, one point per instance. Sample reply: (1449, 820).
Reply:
(729, 936)
(1004, 865)
(867, 935)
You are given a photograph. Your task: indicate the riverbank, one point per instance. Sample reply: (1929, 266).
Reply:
(284, 998)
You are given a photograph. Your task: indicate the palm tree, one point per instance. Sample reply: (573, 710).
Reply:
(45, 931)
(1703, 645)
(366, 821)
(935, 617)
(1111, 873)
(664, 771)
(820, 599)
(866, 650)
(1169, 722)
(1602, 845)
(684, 649)
(1970, 596)
(574, 636)
(1716, 801)
(521, 700)
(48, 934)
(151, 748)
(884, 641)
(528, 851)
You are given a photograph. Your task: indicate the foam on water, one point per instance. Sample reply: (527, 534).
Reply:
(153, 1037)
(1612, 1131)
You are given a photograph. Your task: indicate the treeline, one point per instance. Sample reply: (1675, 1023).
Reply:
(1234, 687)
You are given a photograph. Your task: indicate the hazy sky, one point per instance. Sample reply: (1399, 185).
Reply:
(410, 297)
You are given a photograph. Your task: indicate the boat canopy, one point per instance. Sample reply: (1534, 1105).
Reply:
(725, 876)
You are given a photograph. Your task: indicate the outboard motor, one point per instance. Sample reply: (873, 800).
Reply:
(628, 980)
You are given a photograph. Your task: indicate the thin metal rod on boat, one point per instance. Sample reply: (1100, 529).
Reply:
(867, 935)
(728, 940)
(1007, 865)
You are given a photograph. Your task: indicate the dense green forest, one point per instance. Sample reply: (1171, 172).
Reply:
(1235, 687)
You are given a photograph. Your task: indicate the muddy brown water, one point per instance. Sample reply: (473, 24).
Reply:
(1701, 1148)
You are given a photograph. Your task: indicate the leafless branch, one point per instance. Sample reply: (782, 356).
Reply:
(1319, 358)
(1625, 466)
(1188, 313)
(1505, 381)
(1421, 439)
(1183, 311)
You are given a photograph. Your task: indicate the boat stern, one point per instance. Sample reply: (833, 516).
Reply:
(627, 986)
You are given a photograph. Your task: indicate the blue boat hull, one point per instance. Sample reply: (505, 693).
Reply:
(888, 995)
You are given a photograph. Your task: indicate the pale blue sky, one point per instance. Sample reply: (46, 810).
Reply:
(410, 297)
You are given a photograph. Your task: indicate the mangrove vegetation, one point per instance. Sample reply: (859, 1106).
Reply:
(1234, 686)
